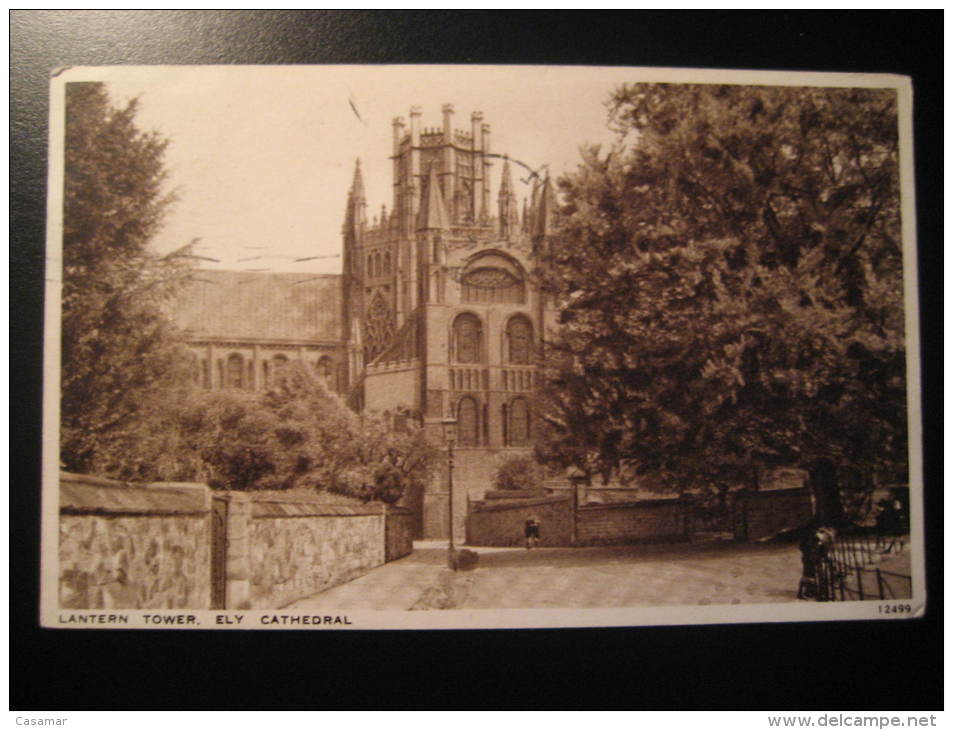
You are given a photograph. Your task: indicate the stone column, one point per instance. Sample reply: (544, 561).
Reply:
(485, 174)
(476, 126)
(413, 182)
(448, 177)
(238, 552)
(398, 127)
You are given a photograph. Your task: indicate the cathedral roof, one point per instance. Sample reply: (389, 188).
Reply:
(261, 306)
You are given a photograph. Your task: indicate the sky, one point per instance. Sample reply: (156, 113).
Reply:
(261, 157)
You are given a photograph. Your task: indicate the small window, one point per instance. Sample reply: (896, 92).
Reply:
(235, 371)
(325, 370)
(195, 369)
(279, 365)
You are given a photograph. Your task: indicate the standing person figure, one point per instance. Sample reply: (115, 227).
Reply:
(809, 547)
(532, 532)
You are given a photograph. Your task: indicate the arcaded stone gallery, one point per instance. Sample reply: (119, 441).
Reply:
(434, 314)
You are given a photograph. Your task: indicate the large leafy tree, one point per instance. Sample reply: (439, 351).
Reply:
(730, 286)
(119, 355)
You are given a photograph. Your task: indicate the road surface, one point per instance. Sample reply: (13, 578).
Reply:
(601, 577)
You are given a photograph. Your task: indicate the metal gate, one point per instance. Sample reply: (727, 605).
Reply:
(219, 517)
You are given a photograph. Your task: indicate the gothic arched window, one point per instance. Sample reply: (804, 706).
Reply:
(377, 264)
(387, 264)
(235, 371)
(468, 426)
(518, 426)
(467, 336)
(378, 327)
(370, 265)
(519, 341)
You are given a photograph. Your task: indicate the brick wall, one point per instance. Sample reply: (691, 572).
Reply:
(502, 522)
(133, 547)
(633, 522)
(760, 515)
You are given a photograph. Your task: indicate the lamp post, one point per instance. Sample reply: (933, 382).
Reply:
(449, 436)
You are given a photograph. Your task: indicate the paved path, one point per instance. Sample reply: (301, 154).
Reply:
(610, 577)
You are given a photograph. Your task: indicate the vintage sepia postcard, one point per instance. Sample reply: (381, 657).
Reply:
(423, 347)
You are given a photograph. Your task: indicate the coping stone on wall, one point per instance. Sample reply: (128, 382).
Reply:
(84, 494)
(510, 504)
(642, 503)
(771, 494)
(511, 494)
(277, 508)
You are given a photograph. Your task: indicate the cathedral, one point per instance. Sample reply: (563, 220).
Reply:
(434, 315)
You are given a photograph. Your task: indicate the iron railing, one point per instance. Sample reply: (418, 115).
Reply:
(849, 570)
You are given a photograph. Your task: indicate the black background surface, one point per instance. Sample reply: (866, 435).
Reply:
(842, 665)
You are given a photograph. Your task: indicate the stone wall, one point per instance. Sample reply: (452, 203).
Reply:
(299, 548)
(399, 538)
(180, 546)
(761, 515)
(124, 546)
(502, 522)
(658, 520)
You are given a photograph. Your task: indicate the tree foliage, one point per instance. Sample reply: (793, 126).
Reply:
(119, 354)
(729, 277)
(518, 472)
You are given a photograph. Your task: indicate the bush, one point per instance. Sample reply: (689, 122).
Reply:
(518, 472)
(295, 436)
